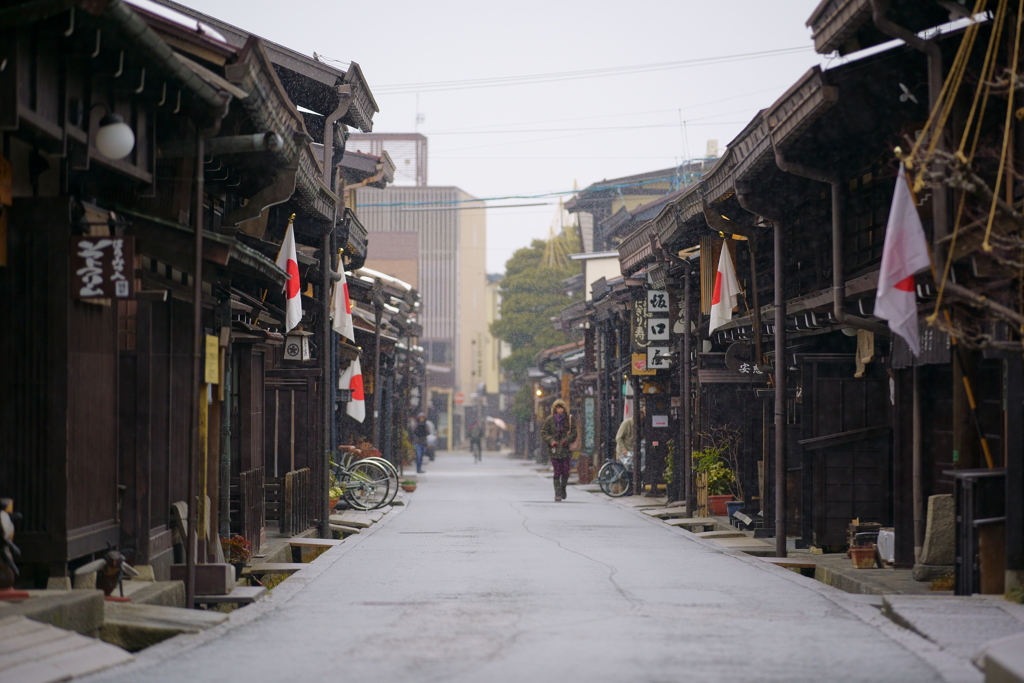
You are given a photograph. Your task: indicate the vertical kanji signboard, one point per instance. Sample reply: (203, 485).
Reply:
(102, 267)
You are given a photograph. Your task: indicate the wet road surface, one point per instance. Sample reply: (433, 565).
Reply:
(482, 577)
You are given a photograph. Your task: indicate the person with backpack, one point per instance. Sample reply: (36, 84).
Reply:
(559, 434)
(419, 440)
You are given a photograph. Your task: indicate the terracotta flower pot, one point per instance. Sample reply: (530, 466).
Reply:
(863, 558)
(408, 488)
(717, 504)
(332, 502)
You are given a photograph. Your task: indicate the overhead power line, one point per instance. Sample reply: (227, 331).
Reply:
(528, 79)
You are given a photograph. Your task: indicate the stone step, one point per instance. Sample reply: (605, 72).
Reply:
(749, 546)
(666, 513)
(313, 542)
(715, 535)
(275, 568)
(241, 595)
(136, 627)
(165, 593)
(691, 523)
(33, 652)
(74, 610)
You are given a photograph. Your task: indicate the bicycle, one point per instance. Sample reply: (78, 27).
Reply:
(392, 471)
(615, 478)
(364, 485)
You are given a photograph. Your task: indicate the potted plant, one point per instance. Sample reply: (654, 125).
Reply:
(335, 493)
(236, 551)
(409, 485)
(711, 463)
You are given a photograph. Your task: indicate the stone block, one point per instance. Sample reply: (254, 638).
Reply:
(75, 610)
(32, 651)
(931, 572)
(136, 627)
(211, 579)
(1003, 660)
(59, 583)
(163, 593)
(940, 531)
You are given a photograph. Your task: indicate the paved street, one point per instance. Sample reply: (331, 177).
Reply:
(483, 578)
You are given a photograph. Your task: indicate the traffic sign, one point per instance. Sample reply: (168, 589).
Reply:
(460, 398)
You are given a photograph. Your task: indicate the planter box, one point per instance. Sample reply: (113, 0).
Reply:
(717, 504)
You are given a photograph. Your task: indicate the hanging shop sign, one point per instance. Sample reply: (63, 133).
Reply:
(296, 346)
(640, 366)
(102, 267)
(658, 329)
(639, 325)
(657, 302)
(659, 357)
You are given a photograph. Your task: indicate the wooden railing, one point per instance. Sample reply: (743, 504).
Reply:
(252, 507)
(296, 497)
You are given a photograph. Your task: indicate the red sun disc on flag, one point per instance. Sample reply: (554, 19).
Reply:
(293, 279)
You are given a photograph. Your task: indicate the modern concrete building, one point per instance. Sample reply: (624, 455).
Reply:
(436, 238)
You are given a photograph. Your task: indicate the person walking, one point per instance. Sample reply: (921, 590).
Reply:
(558, 432)
(476, 434)
(419, 440)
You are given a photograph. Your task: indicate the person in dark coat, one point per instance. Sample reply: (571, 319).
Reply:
(558, 433)
(419, 440)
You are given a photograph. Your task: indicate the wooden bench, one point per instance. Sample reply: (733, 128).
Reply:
(805, 567)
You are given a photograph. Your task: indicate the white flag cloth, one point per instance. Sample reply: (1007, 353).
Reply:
(341, 309)
(727, 291)
(905, 252)
(352, 379)
(289, 263)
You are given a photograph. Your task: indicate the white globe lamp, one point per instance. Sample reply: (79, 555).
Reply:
(115, 138)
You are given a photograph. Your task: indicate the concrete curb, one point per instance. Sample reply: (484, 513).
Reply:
(282, 593)
(949, 668)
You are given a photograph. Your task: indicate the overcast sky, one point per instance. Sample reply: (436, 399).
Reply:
(541, 135)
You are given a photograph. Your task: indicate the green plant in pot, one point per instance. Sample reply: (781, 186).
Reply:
(409, 485)
(711, 462)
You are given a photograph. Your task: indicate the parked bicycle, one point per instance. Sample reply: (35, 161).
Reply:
(616, 477)
(349, 459)
(364, 484)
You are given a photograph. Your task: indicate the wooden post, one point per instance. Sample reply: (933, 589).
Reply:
(1013, 387)
(686, 447)
(323, 487)
(638, 436)
(197, 375)
(780, 390)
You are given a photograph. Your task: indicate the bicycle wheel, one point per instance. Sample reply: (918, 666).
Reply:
(366, 485)
(614, 479)
(392, 476)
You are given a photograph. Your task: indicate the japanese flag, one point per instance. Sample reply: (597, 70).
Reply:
(352, 379)
(289, 263)
(341, 309)
(905, 252)
(727, 290)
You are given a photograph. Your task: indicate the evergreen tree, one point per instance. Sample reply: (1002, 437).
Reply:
(531, 294)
